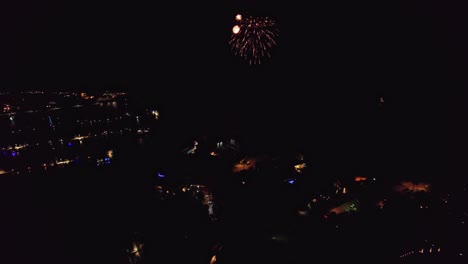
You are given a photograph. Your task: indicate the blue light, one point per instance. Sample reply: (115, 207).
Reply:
(69, 144)
(51, 124)
(160, 175)
(291, 181)
(13, 154)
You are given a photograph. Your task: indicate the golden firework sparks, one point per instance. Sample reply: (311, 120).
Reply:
(253, 38)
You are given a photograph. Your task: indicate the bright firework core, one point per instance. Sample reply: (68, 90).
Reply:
(235, 29)
(253, 38)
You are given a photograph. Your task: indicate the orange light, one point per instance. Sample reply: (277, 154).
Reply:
(213, 259)
(236, 29)
(359, 178)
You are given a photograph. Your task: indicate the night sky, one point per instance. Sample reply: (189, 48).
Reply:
(105, 44)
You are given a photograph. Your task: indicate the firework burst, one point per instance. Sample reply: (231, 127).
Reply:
(253, 38)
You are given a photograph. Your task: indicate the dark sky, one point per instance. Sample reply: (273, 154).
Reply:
(102, 44)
